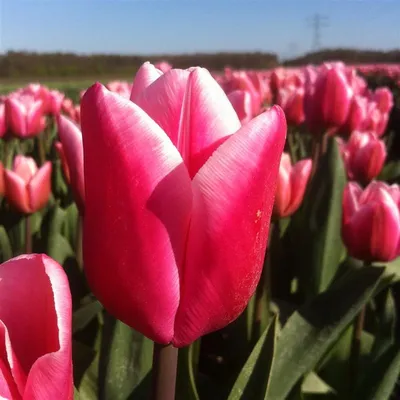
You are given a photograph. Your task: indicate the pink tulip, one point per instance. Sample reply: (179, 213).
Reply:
(327, 101)
(3, 125)
(71, 153)
(384, 99)
(24, 115)
(55, 101)
(291, 100)
(371, 221)
(376, 120)
(178, 202)
(364, 156)
(35, 330)
(292, 183)
(28, 188)
(357, 115)
(241, 102)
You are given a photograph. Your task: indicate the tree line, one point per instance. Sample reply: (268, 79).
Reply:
(36, 65)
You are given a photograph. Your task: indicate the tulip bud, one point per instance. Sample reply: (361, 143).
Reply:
(292, 183)
(357, 115)
(364, 156)
(327, 101)
(291, 100)
(28, 188)
(71, 154)
(384, 99)
(171, 183)
(35, 300)
(24, 115)
(371, 221)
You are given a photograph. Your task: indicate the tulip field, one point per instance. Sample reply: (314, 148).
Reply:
(196, 235)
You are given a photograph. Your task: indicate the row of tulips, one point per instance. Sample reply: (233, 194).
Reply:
(257, 240)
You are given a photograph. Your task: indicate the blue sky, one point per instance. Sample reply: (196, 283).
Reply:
(175, 26)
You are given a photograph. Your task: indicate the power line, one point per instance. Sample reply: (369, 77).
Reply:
(317, 22)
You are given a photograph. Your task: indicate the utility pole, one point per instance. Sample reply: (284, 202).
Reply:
(317, 22)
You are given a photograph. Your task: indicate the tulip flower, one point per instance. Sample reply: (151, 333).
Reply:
(3, 125)
(54, 102)
(24, 115)
(71, 155)
(384, 99)
(371, 221)
(178, 202)
(35, 330)
(2, 184)
(364, 156)
(357, 115)
(327, 101)
(291, 100)
(28, 188)
(241, 102)
(145, 76)
(292, 183)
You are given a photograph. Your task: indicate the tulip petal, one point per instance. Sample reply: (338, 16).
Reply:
(46, 356)
(283, 188)
(145, 76)
(39, 188)
(351, 199)
(142, 220)
(16, 192)
(233, 199)
(299, 178)
(163, 100)
(207, 119)
(71, 139)
(16, 116)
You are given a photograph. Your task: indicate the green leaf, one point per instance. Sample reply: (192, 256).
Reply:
(252, 380)
(313, 329)
(380, 380)
(386, 324)
(186, 384)
(5, 245)
(125, 360)
(313, 384)
(85, 314)
(314, 236)
(391, 172)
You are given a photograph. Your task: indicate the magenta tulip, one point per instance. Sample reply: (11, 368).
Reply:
(28, 188)
(24, 115)
(371, 221)
(291, 99)
(364, 156)
(178, 202)
(35, 330)
(327, 100)
(71, 155)
(292, 183)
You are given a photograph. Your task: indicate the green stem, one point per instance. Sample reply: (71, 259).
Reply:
(356, 346)
(165, 362)
(28, 235)
(41, 147)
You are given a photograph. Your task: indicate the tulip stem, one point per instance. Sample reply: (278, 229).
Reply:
(28, 235)
(165, 362)
(356, 346)
(41, 147)
(263, 294)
